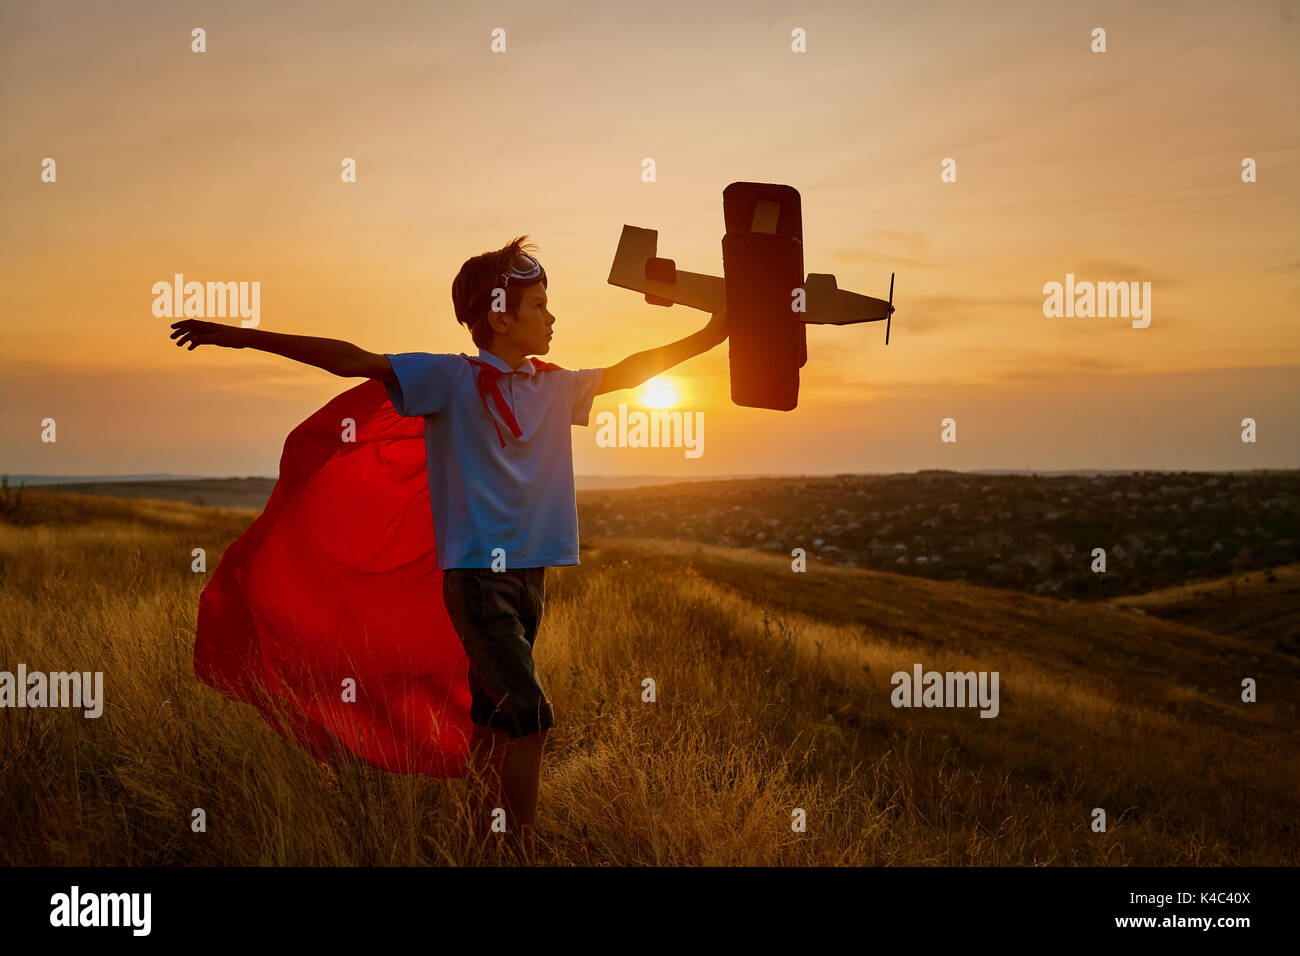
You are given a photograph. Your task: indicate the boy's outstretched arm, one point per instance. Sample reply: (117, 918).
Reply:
(643, 366)
(333, 355)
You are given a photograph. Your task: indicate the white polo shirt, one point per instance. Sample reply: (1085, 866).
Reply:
(519, 498)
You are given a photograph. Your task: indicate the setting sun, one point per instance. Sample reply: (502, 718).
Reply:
(659, 393)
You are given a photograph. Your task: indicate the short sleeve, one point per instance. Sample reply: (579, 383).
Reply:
(582, 388)
(425, 381)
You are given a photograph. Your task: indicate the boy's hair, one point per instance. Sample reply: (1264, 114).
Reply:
(473, 288)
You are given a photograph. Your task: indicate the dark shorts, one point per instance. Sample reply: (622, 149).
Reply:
(496, 614)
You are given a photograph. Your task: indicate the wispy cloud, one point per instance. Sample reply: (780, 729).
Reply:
(1104, 270)
(924, 314)
(915, 241)
(1056, 365)
(857, 256)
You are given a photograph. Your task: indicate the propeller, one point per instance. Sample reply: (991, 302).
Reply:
(890, 314)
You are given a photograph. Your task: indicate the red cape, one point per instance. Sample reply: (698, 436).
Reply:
(337, 579)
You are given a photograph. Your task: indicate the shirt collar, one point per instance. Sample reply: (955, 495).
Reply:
(499, 364)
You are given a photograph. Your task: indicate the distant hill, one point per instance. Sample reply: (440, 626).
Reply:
(252, 493)
(32, 480)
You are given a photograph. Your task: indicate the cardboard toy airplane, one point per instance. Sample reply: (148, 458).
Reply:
(763, 289)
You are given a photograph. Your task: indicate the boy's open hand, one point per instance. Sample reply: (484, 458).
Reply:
(196, 332)
(717, 327)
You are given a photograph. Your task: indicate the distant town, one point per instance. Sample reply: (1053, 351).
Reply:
(1033, 533)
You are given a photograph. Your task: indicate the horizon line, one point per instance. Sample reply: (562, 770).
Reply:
(161, 476)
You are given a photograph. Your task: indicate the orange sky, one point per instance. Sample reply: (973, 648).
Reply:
(224, 166)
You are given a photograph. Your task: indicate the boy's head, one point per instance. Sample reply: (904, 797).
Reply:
(516, 318)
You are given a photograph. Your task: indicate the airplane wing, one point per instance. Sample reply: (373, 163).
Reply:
(828, 305)
(636, 259)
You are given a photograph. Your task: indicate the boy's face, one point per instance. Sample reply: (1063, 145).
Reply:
(531, 333)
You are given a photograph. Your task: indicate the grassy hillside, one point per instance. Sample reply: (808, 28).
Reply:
(773, 693)
(1263, 607)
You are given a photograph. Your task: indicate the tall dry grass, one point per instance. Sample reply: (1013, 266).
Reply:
(773, 694)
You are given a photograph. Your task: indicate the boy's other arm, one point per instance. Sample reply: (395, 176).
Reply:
(643, 366)
(333, 355)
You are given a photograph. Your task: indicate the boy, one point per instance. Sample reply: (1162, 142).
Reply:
(497, 433)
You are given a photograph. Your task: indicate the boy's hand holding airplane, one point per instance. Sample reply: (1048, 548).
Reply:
(717, 327)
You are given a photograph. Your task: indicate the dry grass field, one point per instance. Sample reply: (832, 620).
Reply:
(773, 694)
